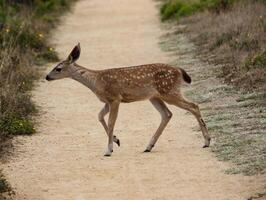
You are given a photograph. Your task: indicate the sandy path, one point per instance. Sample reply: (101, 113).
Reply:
(65, 159)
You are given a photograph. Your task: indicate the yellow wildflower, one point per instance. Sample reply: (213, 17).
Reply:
(7, 30)
(40, 35)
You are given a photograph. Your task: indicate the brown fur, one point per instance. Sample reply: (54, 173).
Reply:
(158, 83)
(137, 83)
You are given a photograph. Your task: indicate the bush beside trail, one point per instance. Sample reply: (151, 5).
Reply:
(231, 32)
(229, 44)
(175, 9)
(24, 32)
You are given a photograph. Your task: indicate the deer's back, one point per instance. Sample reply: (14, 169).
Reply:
(140, 82)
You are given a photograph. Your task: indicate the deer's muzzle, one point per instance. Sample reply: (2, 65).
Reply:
(48, 78)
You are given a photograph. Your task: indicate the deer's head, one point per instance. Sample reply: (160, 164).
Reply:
(63, 69)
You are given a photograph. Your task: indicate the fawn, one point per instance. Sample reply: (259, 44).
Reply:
(158, 83)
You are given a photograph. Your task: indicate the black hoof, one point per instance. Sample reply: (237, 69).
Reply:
(147, 150)
(205, 146)
(118, 142)
(107, 155)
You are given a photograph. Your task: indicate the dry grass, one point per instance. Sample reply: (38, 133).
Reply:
(236, 118)
(227, 66)
(236, 39)
(230, 83)
(24, 30)
(16, 79)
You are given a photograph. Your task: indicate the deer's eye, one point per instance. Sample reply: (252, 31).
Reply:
(58, 69)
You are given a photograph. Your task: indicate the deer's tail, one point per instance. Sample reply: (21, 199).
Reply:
(186, 77)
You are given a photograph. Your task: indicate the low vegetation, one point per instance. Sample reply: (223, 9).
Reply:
(235, 37)
(237, 40)
(230, 42)
(175, 9)
(5, 189)
(24, 29)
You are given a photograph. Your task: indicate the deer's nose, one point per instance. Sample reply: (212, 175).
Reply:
(48, 78)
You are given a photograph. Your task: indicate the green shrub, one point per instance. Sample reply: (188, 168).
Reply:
(170, 8)
(24, 37)
(180, 8)
(188, 9)
(24, 26)
(48, 54)
(49, 6)
(259, 60)
(17, 126)
(15, 104)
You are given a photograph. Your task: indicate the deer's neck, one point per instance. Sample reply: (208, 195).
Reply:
(85, 76)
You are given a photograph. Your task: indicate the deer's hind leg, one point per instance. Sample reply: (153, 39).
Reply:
(178, 100)
(101, 115)
(166, 116)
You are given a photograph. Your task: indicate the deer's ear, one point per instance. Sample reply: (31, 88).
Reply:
(74, 55)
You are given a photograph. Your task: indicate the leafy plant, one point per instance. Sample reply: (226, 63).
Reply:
(17, 126)
(180, 8)
(258, 60)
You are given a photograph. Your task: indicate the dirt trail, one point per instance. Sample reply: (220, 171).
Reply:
(64, 160)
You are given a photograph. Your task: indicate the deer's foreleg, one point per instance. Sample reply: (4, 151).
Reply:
(166, 116)
(101, 115)
(114, 106)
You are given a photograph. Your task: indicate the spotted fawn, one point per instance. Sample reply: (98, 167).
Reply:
(158, 83)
